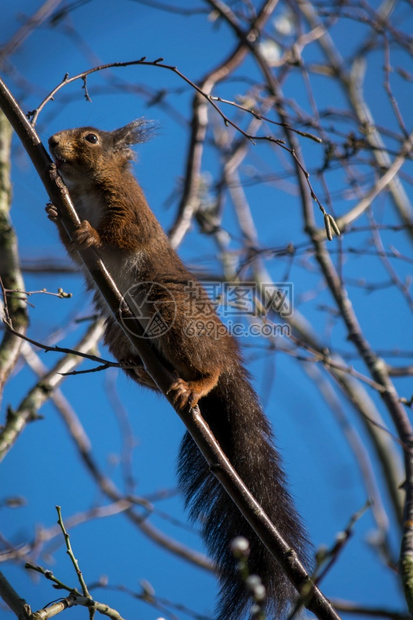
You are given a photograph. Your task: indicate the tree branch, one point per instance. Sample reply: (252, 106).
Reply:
(27, 411)
(10, 273)
(192, 418)
(17, 604)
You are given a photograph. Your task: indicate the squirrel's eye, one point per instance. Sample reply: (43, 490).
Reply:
(92, 138)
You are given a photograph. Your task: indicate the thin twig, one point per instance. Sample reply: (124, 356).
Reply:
(70, 553)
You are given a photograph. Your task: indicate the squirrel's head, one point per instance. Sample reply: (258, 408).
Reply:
(85, 155)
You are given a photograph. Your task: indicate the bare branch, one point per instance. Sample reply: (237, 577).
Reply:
(71, 554)
(192, 418)
(17, 604)
(28, 408)
(10, 274)
(31, 24)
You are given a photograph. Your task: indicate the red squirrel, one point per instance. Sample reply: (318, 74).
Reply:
(117, 221)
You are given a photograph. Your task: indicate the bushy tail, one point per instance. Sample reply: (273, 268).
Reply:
(238, 422)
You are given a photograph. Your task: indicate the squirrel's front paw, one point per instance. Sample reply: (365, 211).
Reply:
(182, 395)
(85, 236)
(52, 212)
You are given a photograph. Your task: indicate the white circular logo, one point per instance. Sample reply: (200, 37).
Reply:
(154, 307)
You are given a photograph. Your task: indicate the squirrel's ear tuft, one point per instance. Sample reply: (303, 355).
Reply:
(135, 132)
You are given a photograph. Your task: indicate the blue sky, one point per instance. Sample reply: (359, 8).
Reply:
(44, 466)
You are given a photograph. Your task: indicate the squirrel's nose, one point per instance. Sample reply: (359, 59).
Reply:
(53, 141)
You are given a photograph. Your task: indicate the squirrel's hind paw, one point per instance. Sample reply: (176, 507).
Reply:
(182, 395)
(188, 393)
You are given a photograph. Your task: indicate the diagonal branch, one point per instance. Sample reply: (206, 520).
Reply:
(189, 201)
(17, 604)
(352, 88)
(192, 418)
(27, 411)
(375, 365)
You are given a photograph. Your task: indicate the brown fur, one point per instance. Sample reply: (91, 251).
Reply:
(117, 221)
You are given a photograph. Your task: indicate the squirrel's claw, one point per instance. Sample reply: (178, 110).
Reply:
(85, 236)
(182, 395)
(52, 212)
